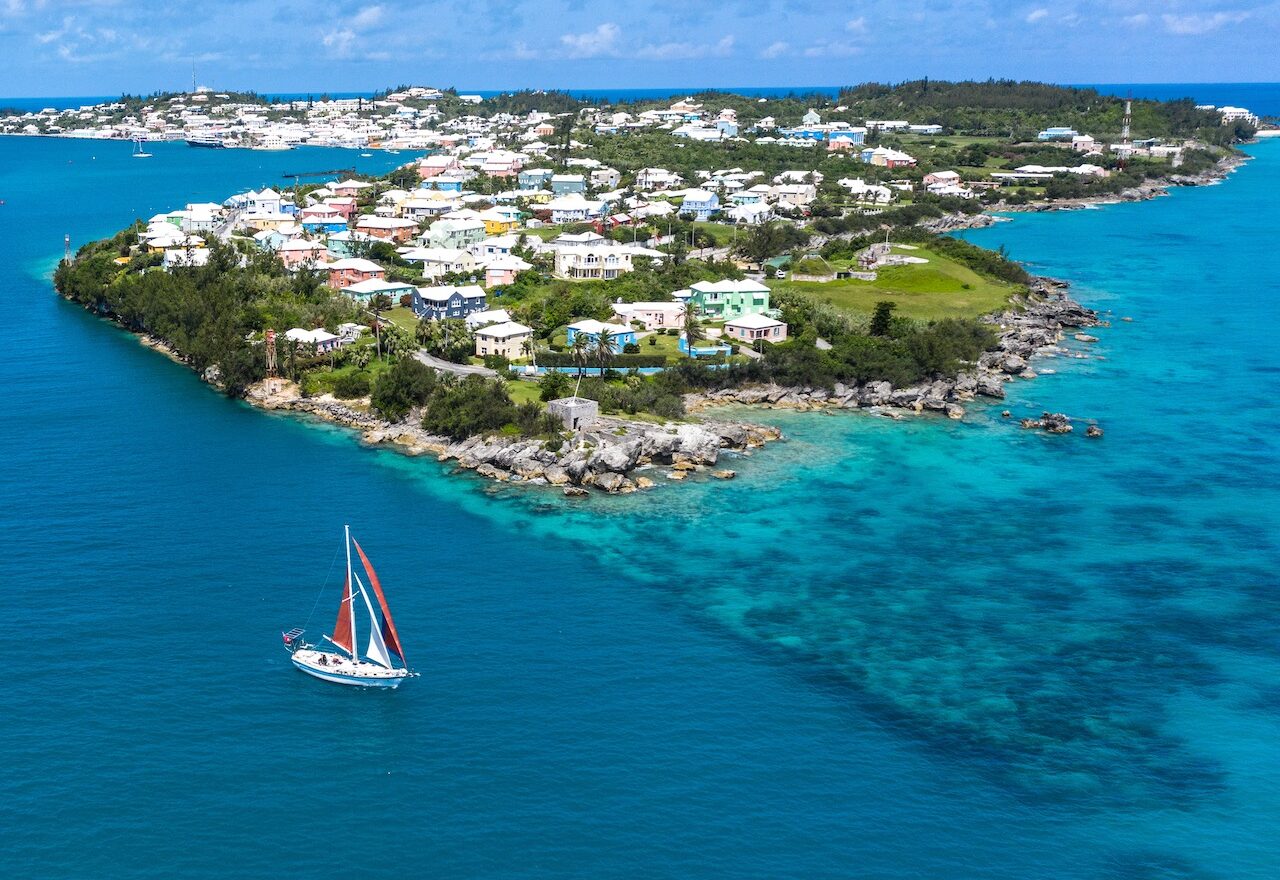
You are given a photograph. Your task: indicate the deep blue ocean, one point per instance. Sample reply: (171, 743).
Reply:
(891, 650)
(1261, 98)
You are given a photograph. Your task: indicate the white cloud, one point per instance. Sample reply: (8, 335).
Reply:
(1195, 23)
(1036, 15)
(828, 49)
(664, 51)
(601, 41)
(340, 43)
(367, 17)
(776, 50)
(856, 25)
(1139, 20)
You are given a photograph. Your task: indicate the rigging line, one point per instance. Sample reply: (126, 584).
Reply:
(323, 583)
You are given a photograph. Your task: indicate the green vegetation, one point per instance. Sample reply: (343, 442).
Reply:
(941, 288)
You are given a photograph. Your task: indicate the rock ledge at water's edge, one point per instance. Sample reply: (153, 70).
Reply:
(611, 455)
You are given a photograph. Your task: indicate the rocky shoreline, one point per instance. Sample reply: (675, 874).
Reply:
(1034, 326)
(619, 456)
(1150, 189)
(613, 455)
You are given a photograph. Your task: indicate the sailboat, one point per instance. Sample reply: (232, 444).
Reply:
(138, 152)
(345, 665)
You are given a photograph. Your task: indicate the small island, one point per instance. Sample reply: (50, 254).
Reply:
(558, 292)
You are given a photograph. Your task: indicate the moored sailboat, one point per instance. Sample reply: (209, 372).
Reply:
(346, 665)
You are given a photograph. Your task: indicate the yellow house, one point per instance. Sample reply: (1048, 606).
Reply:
(506, 339)
(499, 222)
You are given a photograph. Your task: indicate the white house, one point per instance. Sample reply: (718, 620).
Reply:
(653, 315)
(753, 327)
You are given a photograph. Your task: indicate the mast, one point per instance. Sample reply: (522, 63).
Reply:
(351, 597)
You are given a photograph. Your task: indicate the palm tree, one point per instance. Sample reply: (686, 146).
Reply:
(605, 342)
(581, 349)
(692, 328)
(529, 348)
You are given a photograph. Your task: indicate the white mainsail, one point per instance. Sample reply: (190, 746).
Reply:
(377, 650)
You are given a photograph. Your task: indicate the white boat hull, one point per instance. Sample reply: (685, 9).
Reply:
(340, 669)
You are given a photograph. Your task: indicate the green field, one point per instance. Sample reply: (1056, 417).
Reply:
(723, 233)
(926, 291)
(402, 317)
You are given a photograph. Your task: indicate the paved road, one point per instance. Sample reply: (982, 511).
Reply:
(449, 367)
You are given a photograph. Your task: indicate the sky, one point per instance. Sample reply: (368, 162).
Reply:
(105, 47)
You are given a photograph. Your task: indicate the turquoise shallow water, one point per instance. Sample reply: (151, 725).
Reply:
(895, 650)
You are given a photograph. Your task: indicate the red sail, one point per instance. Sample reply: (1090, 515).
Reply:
(342, 629)
(389, 634)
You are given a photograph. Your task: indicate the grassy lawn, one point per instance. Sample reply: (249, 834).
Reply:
(402, 317)
(721, 232)
(524, 392)
(926, 291)
(546, 233)
(321, 381)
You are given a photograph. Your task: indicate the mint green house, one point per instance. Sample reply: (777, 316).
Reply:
(727, 299)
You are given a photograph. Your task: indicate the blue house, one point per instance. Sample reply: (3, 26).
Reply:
(438, 303)
(348, 242)
(564, 184)
(591, 329)
(727, 128)
(699, 204)
(534, 178)
(322, 224)
(443, 183)
(1057, 133)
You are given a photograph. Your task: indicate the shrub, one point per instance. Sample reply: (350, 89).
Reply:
(348, 386)
(407, 384)
(630, 348)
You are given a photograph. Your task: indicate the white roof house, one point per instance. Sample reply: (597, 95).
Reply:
(487, 317)
(505, 330)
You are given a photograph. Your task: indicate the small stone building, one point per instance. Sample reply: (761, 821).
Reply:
(575, 412)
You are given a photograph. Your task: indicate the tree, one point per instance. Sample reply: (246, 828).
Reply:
(581, 350)
(407, 384)
(882, 318)
(693, 331)
(605, 342)
(530, 348)
(553, 385)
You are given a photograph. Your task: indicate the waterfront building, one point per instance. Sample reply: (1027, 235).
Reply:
(504, 340)
(753, 327)
(591, 329)
(727, 299)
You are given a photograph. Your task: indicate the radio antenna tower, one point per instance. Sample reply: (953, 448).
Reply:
(271, 354)
(1128, 118)
(66, 248)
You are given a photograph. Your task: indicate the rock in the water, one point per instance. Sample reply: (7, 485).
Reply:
(1013, 364)
(1093, 431)
(677, 475)
(1085, 337)
(1054, 423)
(644, 483)
(724, 474)
(955, 411)
(575, 491)
(1005, 414)
(610, 481)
